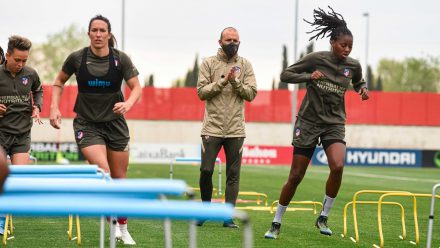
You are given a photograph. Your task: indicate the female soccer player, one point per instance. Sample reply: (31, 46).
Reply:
(101, 131)
(321, 118)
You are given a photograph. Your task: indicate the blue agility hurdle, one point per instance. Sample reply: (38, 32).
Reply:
(56, 171)
(198, 160)
(92, 205)
(122, 188)
(53, 169)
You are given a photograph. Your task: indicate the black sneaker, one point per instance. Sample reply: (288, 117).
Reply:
(274, 231)
(230, 224)
(321, 224)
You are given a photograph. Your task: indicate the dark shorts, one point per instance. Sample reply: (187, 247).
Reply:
(308, 135)
(113, 134)
(15, 143)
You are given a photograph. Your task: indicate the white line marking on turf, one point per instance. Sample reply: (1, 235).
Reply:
(368, 175)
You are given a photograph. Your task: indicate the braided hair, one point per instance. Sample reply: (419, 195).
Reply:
(331, 22)
(2, 56)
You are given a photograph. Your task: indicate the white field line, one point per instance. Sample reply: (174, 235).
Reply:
(368, 175)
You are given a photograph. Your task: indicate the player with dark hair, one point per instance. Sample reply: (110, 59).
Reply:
(21, 98)
(101, 130)
(321, 118)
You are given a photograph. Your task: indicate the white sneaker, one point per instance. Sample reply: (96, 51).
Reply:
(126, 238)
(118, 233)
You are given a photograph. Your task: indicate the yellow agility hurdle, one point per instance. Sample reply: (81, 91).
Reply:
(252, 193)
(78, 229)
(356, 229)
(214, 191)
(314, 203)
(402, 213)
(9, 229)
(379, 213)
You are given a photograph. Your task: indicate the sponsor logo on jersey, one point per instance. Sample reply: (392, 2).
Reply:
(99, 83)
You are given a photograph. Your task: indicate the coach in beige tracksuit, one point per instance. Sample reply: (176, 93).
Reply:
(225, 81)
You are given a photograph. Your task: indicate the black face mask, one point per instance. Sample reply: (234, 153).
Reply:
(230, 49)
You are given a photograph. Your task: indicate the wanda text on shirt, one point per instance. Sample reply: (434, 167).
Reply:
(374, 157)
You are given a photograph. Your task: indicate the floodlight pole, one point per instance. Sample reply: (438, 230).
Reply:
(123, 26)
(295, 48)
(367, 17)
(123, 38)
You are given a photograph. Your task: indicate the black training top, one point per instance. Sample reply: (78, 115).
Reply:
(99, 82)
(18, 94)
(324, 102)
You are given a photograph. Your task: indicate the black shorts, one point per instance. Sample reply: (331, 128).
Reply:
(308, 135)
(114, 134)
(15, 143)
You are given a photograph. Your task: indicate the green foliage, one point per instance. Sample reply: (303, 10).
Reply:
(191, 76)
(47, 58)
(149, 81)
(410, 75)
(309, 49)
(282, 85)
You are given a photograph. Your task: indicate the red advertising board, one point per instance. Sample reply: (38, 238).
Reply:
(264, 155)
(275, 106)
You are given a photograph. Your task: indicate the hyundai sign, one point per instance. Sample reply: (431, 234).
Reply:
(374, 157)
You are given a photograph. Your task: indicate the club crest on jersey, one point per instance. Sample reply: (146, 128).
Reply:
(346, 72)
(79, 135)
(297, 132)
(116, 62)
(237, 69)
(24, 80)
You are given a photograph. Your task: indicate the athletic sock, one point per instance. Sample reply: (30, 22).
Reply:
(122, 220)
(327, 205)
(279, 214)
(123, 227)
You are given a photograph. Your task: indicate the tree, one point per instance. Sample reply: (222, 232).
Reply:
(411, 74)
(370, 82)
(379, 86)
(282, 85)
(149, 81)
(47, 58)
(192, 75)
(178, 83)
(309, 49)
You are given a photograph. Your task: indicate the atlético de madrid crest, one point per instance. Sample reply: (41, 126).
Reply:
(346, 72)
(24, 80)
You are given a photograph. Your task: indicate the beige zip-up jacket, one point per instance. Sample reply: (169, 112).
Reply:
(224, 100)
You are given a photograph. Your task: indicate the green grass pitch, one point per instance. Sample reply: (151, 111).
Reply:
(297, 227)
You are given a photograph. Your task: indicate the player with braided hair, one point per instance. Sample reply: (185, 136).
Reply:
(321, 118)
